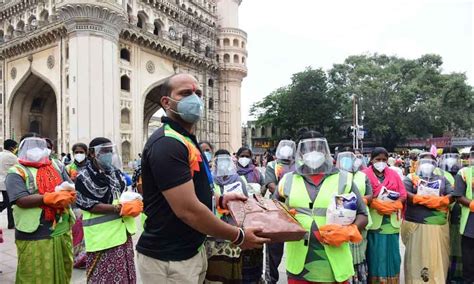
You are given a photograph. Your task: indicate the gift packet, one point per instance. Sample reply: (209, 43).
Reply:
(342, 209)
(429, 188)
(388, 195)
(128, 196)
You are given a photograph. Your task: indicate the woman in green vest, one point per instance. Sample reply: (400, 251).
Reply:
(464, 185)
(389, 194)
(425, 229)
(450, 164)
(347, 161)
(324, 255)
(107, 222)
(224, 257)
(43, 218)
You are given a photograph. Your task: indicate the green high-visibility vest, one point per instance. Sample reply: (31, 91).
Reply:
(377, 219)
(359, 180)
(340, 258)
(27, 220)
(446, 174)
(466, 174)
(104, 231)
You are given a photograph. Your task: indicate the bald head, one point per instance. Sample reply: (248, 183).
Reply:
(176, 82)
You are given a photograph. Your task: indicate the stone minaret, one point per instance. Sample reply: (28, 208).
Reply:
(232, 56)
(93, 29)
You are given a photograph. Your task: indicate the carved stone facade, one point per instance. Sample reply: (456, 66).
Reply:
(73, 70)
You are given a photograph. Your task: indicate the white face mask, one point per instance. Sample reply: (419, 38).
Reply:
(380, 166)
(48, 151)
(36, 154)
(427, 169)
(244, 161)
(314, 159)
(80, 157)
(357, 164)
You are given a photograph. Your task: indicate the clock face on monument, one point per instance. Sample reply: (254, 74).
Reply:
(172, 33)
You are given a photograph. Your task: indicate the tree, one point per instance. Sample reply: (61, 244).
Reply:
(306, 102)
(403, 98)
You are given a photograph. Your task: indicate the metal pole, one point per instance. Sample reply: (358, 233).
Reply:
(356, 124)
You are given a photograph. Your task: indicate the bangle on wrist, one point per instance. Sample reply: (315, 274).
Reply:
(236, 238)
(240, 238)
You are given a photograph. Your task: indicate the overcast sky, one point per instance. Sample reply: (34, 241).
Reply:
(286, 36)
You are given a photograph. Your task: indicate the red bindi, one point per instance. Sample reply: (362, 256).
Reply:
(194, 88)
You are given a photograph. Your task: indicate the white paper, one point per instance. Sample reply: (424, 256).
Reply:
(233, 187)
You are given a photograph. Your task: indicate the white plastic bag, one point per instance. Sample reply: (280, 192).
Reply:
(128, 196)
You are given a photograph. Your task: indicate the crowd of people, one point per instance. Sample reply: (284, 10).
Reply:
(356, 209)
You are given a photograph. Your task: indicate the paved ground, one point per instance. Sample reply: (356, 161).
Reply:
(8, 258)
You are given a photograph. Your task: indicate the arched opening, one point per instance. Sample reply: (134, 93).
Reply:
(152, 111)
(226, 42)
(125, 83)
(236, 43)
(125, 54)
(226, 58)
(185, 39)
(211, 103)
(20, 27)
(217, 58)
(44, 16)
(197, 46)
(236, 59)
(10, 31)
(243, 60)
(208, 51)
(126, 152)
(210, 83)
(218, 42)
(158, 26)
(2, 36)
(142, 20)
(33, 109)
(125, 116)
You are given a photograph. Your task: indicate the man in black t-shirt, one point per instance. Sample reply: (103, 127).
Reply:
(178, 196)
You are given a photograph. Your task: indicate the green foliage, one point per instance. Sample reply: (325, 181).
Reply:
(398, 97)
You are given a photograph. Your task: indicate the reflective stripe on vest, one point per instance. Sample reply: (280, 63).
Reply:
(340, 258)
(104, 231)
(466, 173)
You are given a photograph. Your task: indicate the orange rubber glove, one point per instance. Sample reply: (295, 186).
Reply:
(386, 207)
(336, 235)
(132, 208)
(471, 206)
(60, 199)
(433, 202)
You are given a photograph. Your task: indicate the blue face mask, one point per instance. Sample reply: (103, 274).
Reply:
(346, 164)
(208, 156)
(105, 160)
(190, 108)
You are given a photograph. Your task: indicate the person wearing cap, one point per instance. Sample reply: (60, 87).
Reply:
(389, 194)
(8, 159)
(464, 185)
(108, 219)
(348, 161)
(449, 165)
(274, 171)
(43, 218)
(425, 229)
(178, 193)
(324, 255)
(224, 258)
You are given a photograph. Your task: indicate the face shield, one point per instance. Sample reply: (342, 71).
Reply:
(426, 167)
(359, 162)
(107, 156)
(313, 157)
(33, 150)
(346, 162)
(286, 150)
(450, 162)
(224, 166)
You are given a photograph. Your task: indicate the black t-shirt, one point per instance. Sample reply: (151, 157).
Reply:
(164, 166)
